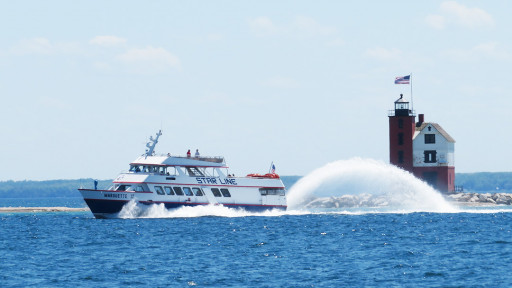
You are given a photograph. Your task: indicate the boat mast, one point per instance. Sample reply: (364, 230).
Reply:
(152, 143)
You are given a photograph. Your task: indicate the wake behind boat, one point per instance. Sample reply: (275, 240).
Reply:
(177, 181)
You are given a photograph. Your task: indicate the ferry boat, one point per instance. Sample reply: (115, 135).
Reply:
(177, 181)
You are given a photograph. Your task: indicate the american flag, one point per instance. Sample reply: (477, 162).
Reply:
(273, 168)
(403, 80)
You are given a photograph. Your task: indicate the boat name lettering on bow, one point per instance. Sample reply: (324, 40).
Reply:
(115, 195)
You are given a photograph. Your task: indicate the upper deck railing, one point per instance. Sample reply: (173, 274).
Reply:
(213, 159)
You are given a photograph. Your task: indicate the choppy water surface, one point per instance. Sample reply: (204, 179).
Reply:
(300, 249)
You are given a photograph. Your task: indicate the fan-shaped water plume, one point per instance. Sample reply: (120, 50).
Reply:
(365, 183)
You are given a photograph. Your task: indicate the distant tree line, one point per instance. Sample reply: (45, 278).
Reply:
(485, 181)
(472, 182)
(50, 188)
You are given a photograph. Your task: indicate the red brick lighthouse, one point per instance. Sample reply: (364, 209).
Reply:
(422, 148)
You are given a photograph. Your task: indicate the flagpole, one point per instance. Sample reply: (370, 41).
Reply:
(412, 102)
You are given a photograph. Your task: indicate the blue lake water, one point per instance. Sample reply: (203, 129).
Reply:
(471, 248)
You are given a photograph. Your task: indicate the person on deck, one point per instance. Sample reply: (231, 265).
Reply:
(197, 153)
(188, 153)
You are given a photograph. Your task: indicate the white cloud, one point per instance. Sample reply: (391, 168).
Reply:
(36, 45)
(263, 25)
(43, 46)
(307, 26)
(453, 12)
(149, 59)
(107, 41)
(436, 21)
(383, 53)
(490, 51)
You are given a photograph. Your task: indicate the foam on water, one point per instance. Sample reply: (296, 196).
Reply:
(403, 192)
(134, 209)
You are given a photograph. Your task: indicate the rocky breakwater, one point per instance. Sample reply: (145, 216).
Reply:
(369, 200)
(347, 201)
(481, 198)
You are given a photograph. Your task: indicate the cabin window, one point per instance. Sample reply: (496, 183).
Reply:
(225, 192)
(197, 191)
(216, 192)
(123, 187)
(194, 171)
(430, 156)
(430, 138)
(272, 191)
(139, 188)
(159, 190)
(187, 191)
(168, 190)
(178, 191)
(170, 171)
(157, 169)
(135, 168)
(400, 138)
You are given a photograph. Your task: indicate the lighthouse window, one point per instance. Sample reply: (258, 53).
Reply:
(430, 138)
(400, 123)
(216, 192)
(225, 192)
(159, 190)
(430, 156)
(400, 156)
(168, 190)
(400, 138)
(187, 191)
(178, 191)
(197, 191)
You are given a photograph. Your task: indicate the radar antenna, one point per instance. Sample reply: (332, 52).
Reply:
(152, 143)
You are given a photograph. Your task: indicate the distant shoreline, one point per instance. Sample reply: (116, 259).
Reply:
(41, 209)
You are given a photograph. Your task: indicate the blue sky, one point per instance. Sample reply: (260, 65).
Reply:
(301, 83)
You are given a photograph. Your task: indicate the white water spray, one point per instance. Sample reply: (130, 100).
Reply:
(394, 188)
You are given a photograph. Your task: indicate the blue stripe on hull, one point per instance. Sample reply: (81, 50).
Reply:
(100, 207)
